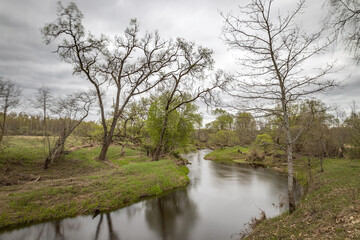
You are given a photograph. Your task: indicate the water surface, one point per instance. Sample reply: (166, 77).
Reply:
(217, 204)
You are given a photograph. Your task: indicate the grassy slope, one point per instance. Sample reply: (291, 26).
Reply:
(231, 155)
(330, 209)
(227, 154)
(77, 184)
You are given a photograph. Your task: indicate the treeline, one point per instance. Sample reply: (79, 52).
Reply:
(32, 125)
(324, 133)
(327, 135)
(141, 124)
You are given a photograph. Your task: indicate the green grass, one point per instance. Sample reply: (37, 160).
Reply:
(78, 183)
(227, 154)
(330, 207)
(329, 210)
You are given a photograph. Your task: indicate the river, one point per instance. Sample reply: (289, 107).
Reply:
(217, 204)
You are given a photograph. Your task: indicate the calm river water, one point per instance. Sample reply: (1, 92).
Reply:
(217, 204)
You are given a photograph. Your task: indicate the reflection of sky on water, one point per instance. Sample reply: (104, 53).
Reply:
(218, 202)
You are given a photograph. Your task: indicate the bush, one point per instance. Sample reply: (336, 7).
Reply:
(223, 138)
(254, 156)
(264, 142)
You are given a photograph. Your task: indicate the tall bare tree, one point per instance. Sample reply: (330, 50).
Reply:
(71, 111)
(273, 50)
(9, 98)
(129, 64)
(344, 18)
(43, 102)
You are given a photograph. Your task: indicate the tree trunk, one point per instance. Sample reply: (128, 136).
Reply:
(56, 152)
(309, 170)
(105, 147)
(3, 126)
(321, 164)
(157, 150)
(289, 160)
(107, 138)
(122, 150)
(109, 135)
(290, 178)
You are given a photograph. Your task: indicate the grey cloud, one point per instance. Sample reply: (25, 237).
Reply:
(25, 59)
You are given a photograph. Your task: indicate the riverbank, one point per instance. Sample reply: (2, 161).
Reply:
(330, 206)
(240, 154)
(329, 210)
(228, 154)
(77, 184)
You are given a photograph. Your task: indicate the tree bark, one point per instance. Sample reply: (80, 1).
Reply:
(291, 194)
(104, 149)
(158, 148)
(56, 152)
(3, 125)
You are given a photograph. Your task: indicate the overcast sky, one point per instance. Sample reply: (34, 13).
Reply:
(25, 59)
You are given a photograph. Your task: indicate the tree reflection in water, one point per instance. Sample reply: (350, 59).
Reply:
(59, 230)
(171, 216)
(113, 235)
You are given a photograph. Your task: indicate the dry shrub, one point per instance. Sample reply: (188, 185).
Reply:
(255, 156)
(251, 225)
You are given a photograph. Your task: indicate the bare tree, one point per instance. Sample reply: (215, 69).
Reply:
(9, 98)
(131, 64)
(42, 101)
(71, 111)
(273, 52)
(344, 18)
(186, 82)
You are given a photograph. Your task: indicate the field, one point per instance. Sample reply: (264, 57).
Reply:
(78, 183)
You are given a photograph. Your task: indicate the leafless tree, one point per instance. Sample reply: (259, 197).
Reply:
(43, 102)
(9, 98)
(344, 18)
(71, 110)
(129, 64)
(273, 51)
(187, 82)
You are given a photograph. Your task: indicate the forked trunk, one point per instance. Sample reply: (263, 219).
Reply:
(56, 152)
(105, 148)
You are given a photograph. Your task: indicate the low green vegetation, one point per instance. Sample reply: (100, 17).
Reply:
(330, 209)
(330, 205)
(228, 154)
(78, 183)
(276, 159)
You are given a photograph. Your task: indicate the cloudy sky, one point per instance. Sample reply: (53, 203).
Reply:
(25, 59)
